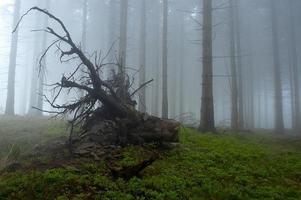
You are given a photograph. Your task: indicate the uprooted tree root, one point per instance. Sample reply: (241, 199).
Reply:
(105, 111)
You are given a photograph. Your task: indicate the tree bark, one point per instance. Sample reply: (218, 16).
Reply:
(239, 66)
(279, 124)
(234, 88)
(294, 68)
(42, 72)
(123, 40)
(207, 107)
(142, 101)
(35, 71)
(164, 61)
(10, 99)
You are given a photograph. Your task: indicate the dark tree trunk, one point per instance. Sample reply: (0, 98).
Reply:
(234, 87)
(279, 124)
(142, 100)
(207, 108)
(164, 61)
(294, 67)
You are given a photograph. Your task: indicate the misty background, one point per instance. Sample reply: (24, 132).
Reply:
(96, 24)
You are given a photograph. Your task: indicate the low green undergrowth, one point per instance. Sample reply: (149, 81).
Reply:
(204, 166)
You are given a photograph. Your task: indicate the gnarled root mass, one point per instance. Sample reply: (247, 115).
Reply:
(105, 110)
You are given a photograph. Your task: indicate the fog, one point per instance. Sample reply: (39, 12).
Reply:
(255, 45)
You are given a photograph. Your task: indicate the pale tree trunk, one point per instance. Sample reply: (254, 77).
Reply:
(239, 66)
(294, 67)
(234, 90)
(156, 53)
(142, 102)
(112, 35)
(123, 33)
(10, 99)
(84, 25)
(279, 124)
(181, 65)
(207, 107)
(84, 33)
(164, 61)
(43, 67)
(34, 76)
(123, 42)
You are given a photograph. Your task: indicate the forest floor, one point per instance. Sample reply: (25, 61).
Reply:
(204, 166)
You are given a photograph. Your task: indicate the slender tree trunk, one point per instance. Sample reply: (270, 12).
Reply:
(181, 65)
(239, 66)
(234, 90)
(164, 61)
(10, 99)
(123, 41)
(34, 76)
(295, 77)
(207, 108)
(142, 102)
(279, 124)
(84, 33)
(44, 63)
(84, 25)
(157, 67)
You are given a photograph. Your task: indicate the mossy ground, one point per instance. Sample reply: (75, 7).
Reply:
(204, 166)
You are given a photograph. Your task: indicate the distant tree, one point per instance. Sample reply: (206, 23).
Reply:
(34, 75)
(207, 108)
(156, 27)
(279, 124)
(294, 69)
(239, 64)
(142, 102)
(123, 38)
(234, 82)
(164, 61)
(10, 99)
(43, 64)
(84, 25)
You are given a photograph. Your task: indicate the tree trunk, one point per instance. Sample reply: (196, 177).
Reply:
(35, 71)
(43, 67)
(164, 61)
(156, 53)
(234, 90)
(123, 41)
(294, 67)
(10, 99)
(84, 25)
(181, 66)
(239, 66)
(279, 124)
(142, 102)
(207, 108)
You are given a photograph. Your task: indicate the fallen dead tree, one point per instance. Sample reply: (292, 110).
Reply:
(106, 110)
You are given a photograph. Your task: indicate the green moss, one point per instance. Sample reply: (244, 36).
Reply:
(205, 166)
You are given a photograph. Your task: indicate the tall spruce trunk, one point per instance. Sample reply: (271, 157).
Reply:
(294, 68)
(234, 87)
(207, 108)
(123, 42)
(10, 99)
(42, 71)
(164, 61)
(156, 53)
(279, 124)
(142, 101)
(34, 74)
(239, 65)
